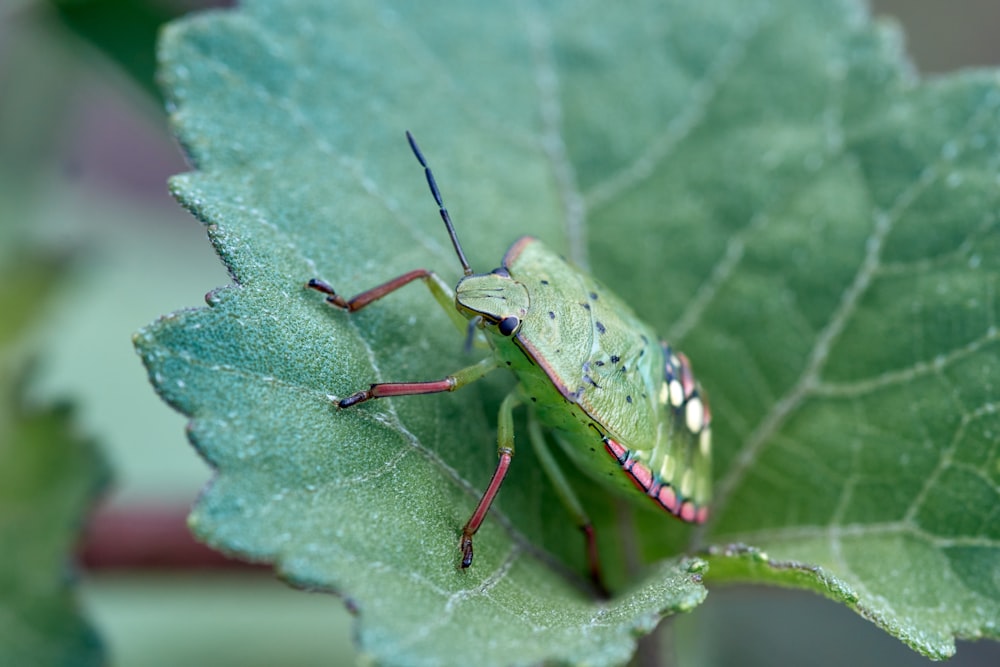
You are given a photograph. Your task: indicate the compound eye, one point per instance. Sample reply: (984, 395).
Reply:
(508, 325)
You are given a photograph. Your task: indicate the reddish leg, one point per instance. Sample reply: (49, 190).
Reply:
(476, 520)
(398, 389)
(443, 296)
(505, 450)
(570, 502)
(454, 381)
(374, 294)
(439, 290)
(594, 560)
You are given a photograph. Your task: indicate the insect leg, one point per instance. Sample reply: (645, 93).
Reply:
(456, 380)
(505, 451)
(569, 501)
(439, 289)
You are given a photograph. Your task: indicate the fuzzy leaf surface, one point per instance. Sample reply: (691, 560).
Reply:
(765, 182)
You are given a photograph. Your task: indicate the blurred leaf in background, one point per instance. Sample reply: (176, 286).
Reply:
(50, 479)
(50, 475)
(66, 191)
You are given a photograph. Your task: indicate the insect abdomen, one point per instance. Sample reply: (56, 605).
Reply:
(676, 472)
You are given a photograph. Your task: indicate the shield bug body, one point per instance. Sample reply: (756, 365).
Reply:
(624, 406)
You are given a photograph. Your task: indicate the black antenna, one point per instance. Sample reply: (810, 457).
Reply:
(432, 184)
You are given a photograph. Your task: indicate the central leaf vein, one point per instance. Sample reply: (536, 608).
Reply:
(552, 141)
(659, 148)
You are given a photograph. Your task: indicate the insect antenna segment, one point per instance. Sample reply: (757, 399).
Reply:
(432, 184)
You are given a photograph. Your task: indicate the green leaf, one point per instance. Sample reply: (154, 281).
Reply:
(49, 478)
(766, 182)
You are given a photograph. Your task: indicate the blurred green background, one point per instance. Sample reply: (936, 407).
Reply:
(84, 158)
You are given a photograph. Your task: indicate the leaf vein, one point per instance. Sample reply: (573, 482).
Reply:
(728, 58)
(905, 375)
(552, 142)
(883, 223)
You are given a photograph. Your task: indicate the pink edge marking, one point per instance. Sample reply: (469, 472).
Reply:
(668, 498)
(616, 450)
(706, 417)
(515, 250)
(664, 494)
(642, 475)
(687, 375)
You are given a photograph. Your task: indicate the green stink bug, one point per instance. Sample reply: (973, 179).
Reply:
(587, 367)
